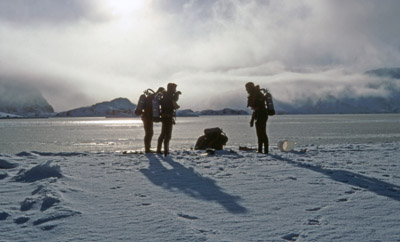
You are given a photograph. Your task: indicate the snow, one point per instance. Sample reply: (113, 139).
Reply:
(348, 192)
(8, 115)
(26, 100)
(39, 172)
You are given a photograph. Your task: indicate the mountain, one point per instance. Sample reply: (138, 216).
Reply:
(120, 107)
(385, 72)
(8, 115)
(387, 81)
(225, 111)
(347, 105)
(23, 100)
(186, 113)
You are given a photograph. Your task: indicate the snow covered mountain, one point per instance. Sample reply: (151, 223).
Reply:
(8, 115)
(23, 100)
(387, 81)
(186, 113)
(347, 105)
(385, 72)
(120, 107)
(225, 111)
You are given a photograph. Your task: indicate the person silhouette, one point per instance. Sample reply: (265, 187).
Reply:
(256, 101)
(147, 118)
(168, 104)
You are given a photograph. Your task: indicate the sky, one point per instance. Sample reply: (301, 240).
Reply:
(79, 52)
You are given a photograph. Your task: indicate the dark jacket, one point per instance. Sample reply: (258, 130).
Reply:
(167, 107)
(256, 101)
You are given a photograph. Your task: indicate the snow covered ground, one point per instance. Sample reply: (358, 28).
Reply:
(347, 192)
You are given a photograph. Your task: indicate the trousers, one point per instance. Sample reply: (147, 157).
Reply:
(166, 134)
(148, 132)
(261, 129)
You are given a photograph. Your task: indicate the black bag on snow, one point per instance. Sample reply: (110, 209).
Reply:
(213, 138)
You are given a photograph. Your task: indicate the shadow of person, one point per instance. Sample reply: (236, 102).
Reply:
(188, 181)
(369, 183)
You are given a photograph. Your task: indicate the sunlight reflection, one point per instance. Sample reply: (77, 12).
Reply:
(111, 122)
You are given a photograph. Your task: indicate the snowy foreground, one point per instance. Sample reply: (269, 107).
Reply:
(329, 193)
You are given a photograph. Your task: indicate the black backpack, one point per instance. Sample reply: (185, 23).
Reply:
(213, 138)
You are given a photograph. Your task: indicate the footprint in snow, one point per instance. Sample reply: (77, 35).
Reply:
(55, 216)
(48, 227)
(27, 204)
(21, 220)
(314, 209)
(4, 215)
(291, 237)
(114, 188)
(186, 216)
(140, 195)
(313, 222)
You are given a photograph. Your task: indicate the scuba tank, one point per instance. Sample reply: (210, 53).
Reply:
(142, 101)
(140, 105)
(156, 107)
(270, 103)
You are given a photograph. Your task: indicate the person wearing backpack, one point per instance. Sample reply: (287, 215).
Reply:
(147, 117)
(256, 100)
(168, 105)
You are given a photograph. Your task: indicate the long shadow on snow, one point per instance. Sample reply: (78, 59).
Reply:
(190, 182)
(369, 183)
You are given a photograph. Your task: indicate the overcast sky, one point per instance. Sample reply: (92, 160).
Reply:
(79, 52)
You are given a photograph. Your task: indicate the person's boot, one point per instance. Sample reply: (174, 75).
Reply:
(259, 148)
(147, 147)
(159, 148)
(266, 149)
(166, 148)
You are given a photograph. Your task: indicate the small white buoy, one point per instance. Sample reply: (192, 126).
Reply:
(286, 145)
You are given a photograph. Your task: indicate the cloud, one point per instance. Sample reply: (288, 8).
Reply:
(96, 51)
(26, 12)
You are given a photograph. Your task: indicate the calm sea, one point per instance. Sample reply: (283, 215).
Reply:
(110, 135)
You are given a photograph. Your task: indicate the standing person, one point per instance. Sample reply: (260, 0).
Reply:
(256, 101)
(168, 107)
(147, 118)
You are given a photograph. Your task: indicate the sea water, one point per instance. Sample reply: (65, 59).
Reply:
(113, 135)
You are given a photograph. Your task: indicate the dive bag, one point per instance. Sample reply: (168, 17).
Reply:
(213, 138)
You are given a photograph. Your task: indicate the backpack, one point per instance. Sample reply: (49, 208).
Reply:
(213, 138)
(167, 105)
(268, 100)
